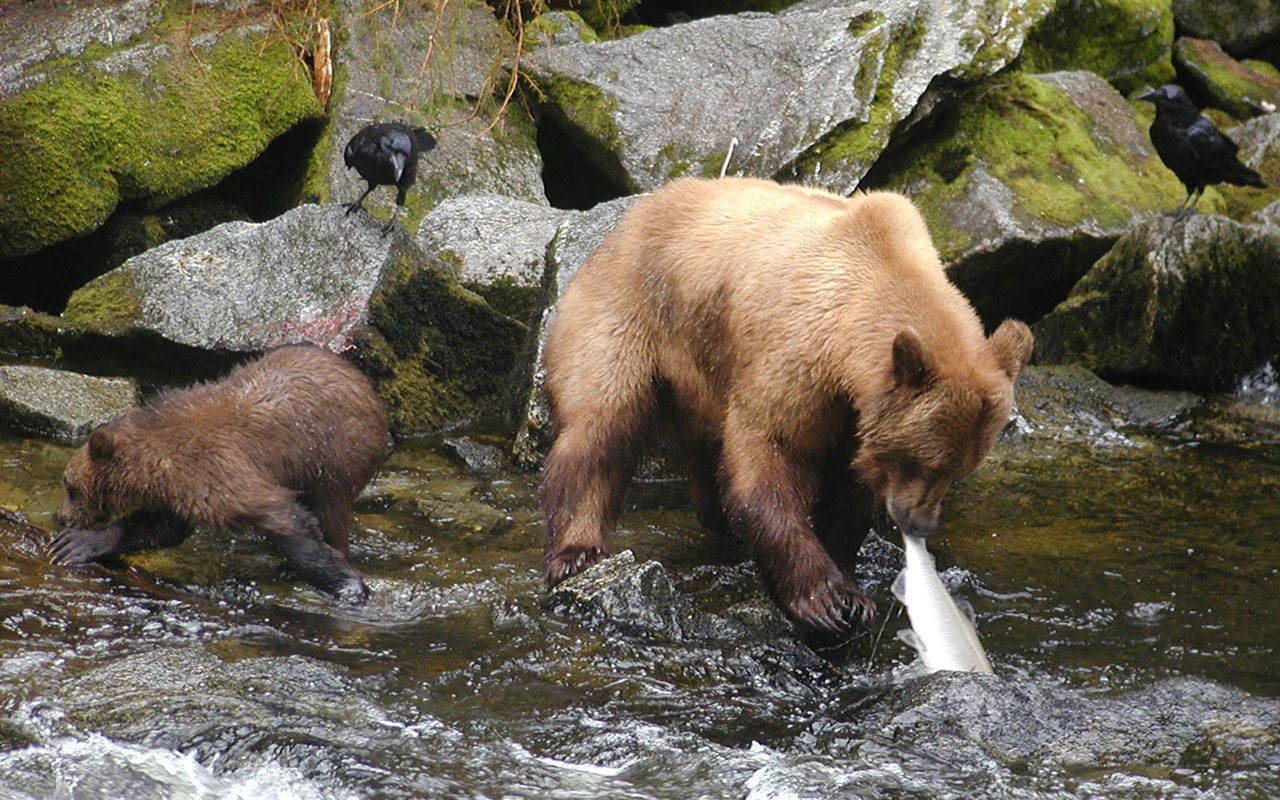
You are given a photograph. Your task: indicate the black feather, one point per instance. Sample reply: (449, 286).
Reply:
(1188, 143)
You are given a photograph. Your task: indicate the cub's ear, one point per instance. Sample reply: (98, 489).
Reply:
(102, 444)
(911, 366)
(1012, 343)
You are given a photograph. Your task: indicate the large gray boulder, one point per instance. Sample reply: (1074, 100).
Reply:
(1176, 302)
(242, 287)
(668, 102)
(496, 245)
(439, 353)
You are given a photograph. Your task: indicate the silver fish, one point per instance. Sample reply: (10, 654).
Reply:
(942, 633)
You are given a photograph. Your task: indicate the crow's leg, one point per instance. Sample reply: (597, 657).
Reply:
(400, 195)
(387, 228)
(357, 203)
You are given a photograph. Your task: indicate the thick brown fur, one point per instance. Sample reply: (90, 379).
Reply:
(811, 357)
(281, 445)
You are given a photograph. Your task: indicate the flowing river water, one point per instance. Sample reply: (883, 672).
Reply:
(1123, 571)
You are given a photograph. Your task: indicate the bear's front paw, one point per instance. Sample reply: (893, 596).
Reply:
(835, 605)
(569, 561)
(74, 546)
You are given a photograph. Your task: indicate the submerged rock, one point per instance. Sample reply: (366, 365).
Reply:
(1176, 302)
(60, 405)
(1186, 723)
(668, 102)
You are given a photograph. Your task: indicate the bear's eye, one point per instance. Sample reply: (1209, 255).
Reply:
(73, 494)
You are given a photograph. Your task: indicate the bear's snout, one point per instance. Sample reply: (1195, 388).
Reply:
(914, 520)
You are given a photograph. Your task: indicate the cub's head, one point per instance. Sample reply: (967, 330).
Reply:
(935, 423)
(86, 500)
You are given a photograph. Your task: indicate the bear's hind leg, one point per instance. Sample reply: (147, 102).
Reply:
(769, 496)
(297, 533)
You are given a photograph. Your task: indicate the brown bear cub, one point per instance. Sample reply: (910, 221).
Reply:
(807, 354)
(281, 445)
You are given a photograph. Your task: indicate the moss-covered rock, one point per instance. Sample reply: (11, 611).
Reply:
(1223, 82)
(174, 111)
(1176, 302)
(1025, 181)
(439, 353)
(1128, 42)
(1241, 26)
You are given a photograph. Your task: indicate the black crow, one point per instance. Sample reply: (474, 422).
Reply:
(386, 154)
(1189, 145)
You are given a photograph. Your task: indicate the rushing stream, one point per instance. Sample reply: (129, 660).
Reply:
(1124, 576)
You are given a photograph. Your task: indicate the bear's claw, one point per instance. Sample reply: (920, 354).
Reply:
(836, 607)
(569, 561)
(74, 546)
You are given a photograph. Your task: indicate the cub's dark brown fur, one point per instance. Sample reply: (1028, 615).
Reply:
(809, 354)
(281, 445)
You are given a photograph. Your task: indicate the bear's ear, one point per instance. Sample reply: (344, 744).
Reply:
(1012, 343)
(102, 444)
(910, 363)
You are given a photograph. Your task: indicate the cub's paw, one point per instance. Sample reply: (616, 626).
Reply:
(569, 561)
(835, 604)
(74, 546)
(352, 593)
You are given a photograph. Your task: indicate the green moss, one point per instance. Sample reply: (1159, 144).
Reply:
(855, 145)
(544, 27)
(111, 302)
(442, 353)
(1128, 42)
(1032, 138)
(510, 299)
(85, 137)
(587, 115)
(1229, 84)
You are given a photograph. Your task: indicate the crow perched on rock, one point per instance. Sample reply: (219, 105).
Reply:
(1189, 145)
(386, 154)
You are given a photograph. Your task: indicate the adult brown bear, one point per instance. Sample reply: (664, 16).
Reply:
(281, 445)
(805, 350)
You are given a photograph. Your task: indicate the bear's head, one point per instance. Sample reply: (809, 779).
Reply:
(87, 496)
(936, 422)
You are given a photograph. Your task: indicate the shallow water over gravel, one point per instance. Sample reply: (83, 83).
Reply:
(1124, 580)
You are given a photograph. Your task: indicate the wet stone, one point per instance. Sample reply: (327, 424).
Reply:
(64, 406)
